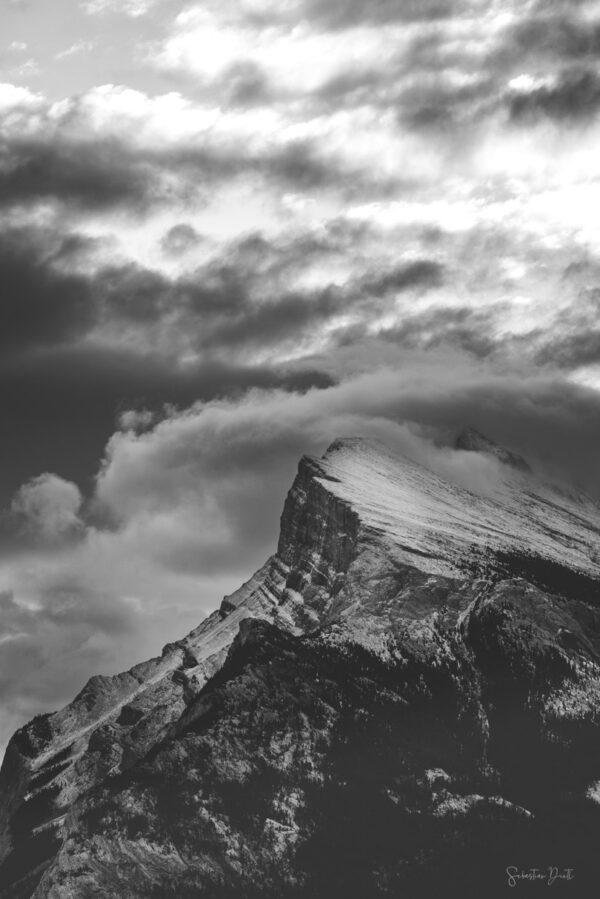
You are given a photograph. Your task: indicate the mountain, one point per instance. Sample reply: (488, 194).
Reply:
(403, 701)
(474, 441)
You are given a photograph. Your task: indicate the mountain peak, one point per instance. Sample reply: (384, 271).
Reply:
(472, 440)
(444, 524)
(349, 444)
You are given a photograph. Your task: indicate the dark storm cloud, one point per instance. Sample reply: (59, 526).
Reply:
(242, 299)
(230, 319)
(436, 104)
(225, 295)
(179, 239)
(355, 88)
(417, 84)
(96, 176)
(552, 34)
(45, 302)
(99, 173)
(572, 351)
(552, 40)
(91, 174)
(262, 324)
(238, 302)
(420, 273)
(38, 303)
(346, 13)
(217, 306)
(466, 329)
(574, 96)
(299, 165)
(463, 329)
(131, 292)
(341, 14)
(60, 401)
(574, 339)
(245, 85)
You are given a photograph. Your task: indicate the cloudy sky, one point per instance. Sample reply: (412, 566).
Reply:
(231, 231)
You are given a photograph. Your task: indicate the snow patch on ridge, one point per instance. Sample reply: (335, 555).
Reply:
(439, 526)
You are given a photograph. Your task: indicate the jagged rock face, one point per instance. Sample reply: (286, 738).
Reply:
(403, 701)
(318, 531)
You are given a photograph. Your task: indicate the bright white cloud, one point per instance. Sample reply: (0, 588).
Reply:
(297, 59)
(117, 111)
(587, 376)
(13, 97)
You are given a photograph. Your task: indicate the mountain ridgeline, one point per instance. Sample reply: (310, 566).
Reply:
(403, 701)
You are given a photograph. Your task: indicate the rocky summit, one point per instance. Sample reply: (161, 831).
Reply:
(403, 701)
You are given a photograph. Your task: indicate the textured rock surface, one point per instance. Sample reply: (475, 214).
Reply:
(404, 700)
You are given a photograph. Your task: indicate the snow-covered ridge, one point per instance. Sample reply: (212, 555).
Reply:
(440, 525)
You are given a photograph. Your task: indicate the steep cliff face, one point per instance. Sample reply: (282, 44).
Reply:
(404, 697)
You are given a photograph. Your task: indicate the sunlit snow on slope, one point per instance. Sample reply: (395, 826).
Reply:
(442, 525)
